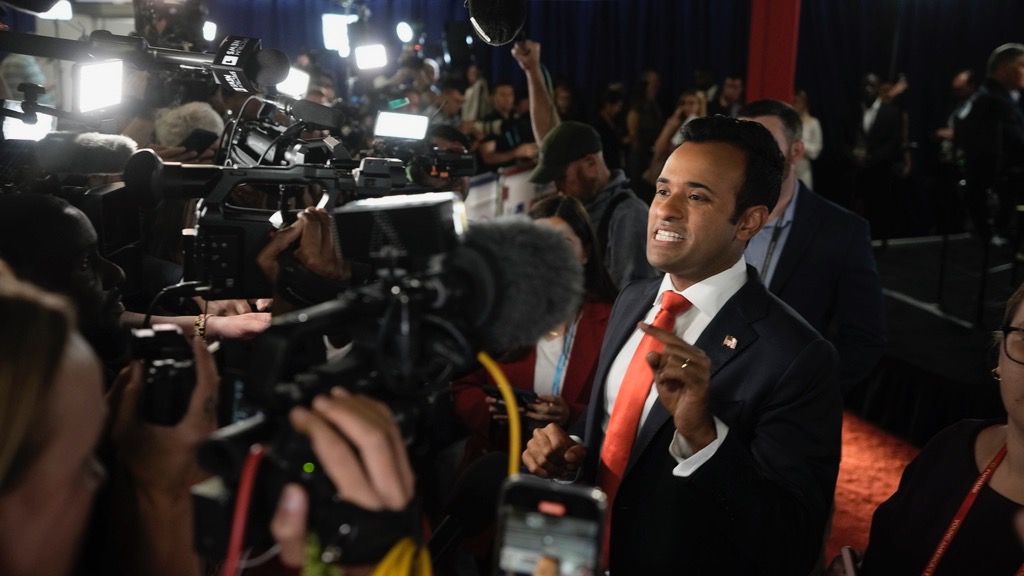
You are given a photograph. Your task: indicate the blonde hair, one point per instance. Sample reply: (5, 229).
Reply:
(34, 334)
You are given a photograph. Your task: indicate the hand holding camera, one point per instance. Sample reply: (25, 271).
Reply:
(162, 457)
(361, 450)
(316, 249)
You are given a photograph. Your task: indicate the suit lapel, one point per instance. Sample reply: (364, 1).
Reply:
(805, 225)
(733, 324)
(629, 309)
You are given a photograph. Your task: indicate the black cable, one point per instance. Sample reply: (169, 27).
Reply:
(192, 287)
(290, 132)
(234, 128)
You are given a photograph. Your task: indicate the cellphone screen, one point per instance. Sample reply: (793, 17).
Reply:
(539, 544)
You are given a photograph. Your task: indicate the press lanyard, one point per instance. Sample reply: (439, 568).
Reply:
(965, 507)
(563, 359)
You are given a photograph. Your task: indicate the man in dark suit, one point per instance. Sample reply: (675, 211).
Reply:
(991, 135)
(817, 257)
(874, 147)
(722, 457)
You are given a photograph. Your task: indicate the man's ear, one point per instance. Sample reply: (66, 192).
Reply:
(797, 151)
(751, 222)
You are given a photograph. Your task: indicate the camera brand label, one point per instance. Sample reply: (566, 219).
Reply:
(234, 82)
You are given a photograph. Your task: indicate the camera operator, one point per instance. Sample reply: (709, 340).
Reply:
(47, 241)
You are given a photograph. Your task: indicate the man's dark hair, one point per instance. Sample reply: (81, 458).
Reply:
(762, 179)
(450, 133)
(500, 84)
(790, 118)
(1003, 55)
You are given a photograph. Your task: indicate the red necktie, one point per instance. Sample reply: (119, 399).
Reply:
(629, 404)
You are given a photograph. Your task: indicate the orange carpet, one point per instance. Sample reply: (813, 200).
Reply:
(873, 461)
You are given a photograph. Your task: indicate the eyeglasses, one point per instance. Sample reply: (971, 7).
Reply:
(1013, 343)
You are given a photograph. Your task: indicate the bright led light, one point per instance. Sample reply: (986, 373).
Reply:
(60, 11)
(335, 29)
(404, 32)
(395, 125)
(209, 31)
(469, 39)
(15, 129)
(371, 56)
(99, 85)
(295, 85)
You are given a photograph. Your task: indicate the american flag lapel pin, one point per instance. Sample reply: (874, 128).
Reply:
(730, 342)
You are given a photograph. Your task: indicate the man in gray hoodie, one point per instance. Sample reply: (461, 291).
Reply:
(571, 157)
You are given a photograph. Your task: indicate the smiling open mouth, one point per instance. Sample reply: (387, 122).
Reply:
(666, 236)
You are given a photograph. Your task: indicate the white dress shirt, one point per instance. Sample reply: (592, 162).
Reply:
(870, 114)
(707, 297)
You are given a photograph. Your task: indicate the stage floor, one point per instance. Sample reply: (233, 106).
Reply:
(936, 370)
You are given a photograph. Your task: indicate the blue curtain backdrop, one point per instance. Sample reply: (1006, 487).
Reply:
(587, 43)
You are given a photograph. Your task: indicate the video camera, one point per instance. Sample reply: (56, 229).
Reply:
(443, 292)
(240, 207)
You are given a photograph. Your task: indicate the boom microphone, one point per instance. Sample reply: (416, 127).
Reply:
(497, 22)
(85, 153)
(534, 279)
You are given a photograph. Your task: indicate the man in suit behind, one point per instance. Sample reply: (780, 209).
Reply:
(874, 145)
(817, 257)
(717, 439)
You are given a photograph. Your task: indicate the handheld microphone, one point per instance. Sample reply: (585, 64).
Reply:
(497, 21)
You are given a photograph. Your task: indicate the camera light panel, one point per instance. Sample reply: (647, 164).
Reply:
(371, 56)
(295, 85)
(396, 125)
(99, 85)
(335, 31)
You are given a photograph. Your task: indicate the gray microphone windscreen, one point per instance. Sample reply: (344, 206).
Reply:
(537, 278)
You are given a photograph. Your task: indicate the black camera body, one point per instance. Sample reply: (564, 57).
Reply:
(169, 373)
(229, 237)
(402, 352)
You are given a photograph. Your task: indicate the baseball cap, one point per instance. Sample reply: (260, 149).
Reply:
(567, 142)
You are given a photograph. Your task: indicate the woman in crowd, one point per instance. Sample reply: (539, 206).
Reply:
(48, 474)
(560, 368)
(956, 507)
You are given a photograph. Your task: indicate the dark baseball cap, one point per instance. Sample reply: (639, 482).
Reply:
(567, 142)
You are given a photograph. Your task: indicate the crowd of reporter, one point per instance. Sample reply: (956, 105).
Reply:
(87, 486)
